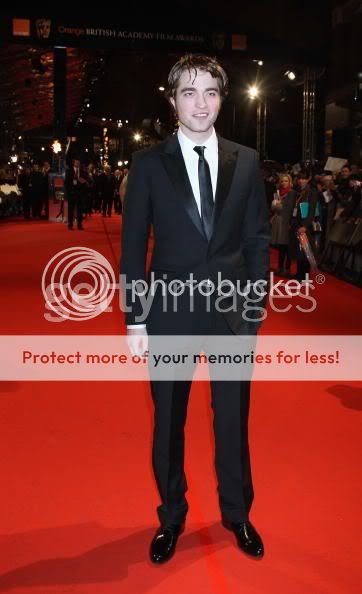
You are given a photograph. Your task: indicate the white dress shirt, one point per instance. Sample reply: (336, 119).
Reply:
(191, 159)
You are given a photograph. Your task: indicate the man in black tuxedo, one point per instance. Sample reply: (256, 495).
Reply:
(205, 198)
(75, 186)
(107, 189)
(117, 185)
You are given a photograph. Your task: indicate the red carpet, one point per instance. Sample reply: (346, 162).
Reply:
(77, 493)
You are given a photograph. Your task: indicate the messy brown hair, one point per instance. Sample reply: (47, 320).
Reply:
(192, 63)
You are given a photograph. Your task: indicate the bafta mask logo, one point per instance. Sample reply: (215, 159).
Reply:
(218, 41)
(43, 28)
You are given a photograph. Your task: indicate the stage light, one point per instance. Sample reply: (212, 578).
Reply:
(253, 92)
(137, 137)
(290, 74)
(56, 146)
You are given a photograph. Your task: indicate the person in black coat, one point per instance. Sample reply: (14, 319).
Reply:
(76, 187)
(302, 222)
(36, 187)
(117, 186)
(24, 186)
(282, 206)
(205, 197)
(107, 189)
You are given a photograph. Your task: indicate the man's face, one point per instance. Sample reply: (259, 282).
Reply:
(345, 172)
(197, 102)
(327, 181)
(303, 182)
(76, 163)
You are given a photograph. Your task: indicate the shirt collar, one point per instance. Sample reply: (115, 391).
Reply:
(187, 144)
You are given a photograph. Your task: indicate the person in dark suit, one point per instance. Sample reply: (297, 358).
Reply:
(36, 190)
(45, 190)
(24, 185)
(76, 186)
(206, 201)
(108, 186)
(117, 185)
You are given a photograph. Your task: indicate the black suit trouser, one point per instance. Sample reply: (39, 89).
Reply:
(75, 202)
(230, 403)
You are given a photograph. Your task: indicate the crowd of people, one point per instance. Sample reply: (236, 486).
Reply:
(25, 191)
(313, 204)
(302, 201)
(90, 190)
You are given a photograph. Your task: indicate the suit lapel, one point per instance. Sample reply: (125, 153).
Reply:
(176, 169)
(226, 169)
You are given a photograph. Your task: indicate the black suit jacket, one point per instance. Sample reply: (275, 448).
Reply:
(159, 193)
(107, 185)
(79, 187)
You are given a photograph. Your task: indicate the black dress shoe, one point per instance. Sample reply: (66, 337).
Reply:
(164, 542)
(247, 537)
(80, 228)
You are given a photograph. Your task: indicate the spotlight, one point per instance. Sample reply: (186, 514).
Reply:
(253, 92)
(56, 146)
